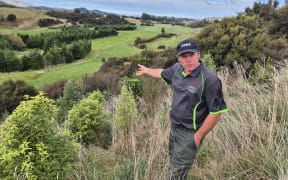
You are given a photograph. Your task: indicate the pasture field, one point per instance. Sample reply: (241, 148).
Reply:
(26, 19)
(114, 46)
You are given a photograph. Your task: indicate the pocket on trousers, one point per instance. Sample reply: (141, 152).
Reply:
(184, 147)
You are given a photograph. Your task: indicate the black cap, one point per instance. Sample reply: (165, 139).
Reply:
(187, 46)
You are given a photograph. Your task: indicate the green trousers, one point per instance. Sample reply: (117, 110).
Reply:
(182, 152)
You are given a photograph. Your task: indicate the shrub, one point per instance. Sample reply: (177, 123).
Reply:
(103, 81)
(31, 147)
(11, 17)
(54, 90)
(87, 120)
(261, 73)
(209, 62)
(126, 114)
(48, 22)
(134, 84)
(70, 96)
(12, 93)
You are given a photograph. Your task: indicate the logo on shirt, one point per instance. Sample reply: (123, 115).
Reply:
(191, 88)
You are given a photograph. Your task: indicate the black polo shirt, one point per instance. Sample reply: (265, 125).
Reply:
(194, 96)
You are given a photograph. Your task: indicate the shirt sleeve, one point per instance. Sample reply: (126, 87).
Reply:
(168, 74)
(215, 99)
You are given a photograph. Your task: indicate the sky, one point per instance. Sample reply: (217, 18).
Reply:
(196, 9)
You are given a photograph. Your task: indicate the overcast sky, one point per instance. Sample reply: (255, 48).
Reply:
(176, 8)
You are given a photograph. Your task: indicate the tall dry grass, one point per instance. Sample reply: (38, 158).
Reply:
(250, 142)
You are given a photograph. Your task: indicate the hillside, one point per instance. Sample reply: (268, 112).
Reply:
(26, 18)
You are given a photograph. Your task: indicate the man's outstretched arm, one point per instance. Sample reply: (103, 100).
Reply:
(156, 73)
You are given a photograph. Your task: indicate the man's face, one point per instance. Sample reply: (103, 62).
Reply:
(189, 61)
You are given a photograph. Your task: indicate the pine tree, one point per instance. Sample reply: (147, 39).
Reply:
(31, 147)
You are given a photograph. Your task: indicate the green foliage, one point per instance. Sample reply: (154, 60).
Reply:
(126, 114)
(80, 49)
(163, 30)
(31, 147)
(261, 73)
(48, 22)
(4, 42)
(135, 85)
(53, 56)
(244, 40)
(209, 62)
(88, 121)
(70, 97)
(9, 61)
(12, 93)
(126, 111)
(32, 60)
(88, 18)
(280, 22)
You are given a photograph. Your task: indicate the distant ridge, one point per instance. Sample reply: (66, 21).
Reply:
(81, 10)
(95, 11)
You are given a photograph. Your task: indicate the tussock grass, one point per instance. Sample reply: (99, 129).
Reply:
(250, 142)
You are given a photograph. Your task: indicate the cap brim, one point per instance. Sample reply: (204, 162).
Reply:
(187, 50)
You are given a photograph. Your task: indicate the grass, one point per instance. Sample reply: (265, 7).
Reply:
(115, 46)
(26, 19)
(250, 142)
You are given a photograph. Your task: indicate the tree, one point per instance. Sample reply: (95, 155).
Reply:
(31, 147)
(11, 17)
(17, 42)
(126, 114)
(88, 121)
(163, 30)
(70, 97)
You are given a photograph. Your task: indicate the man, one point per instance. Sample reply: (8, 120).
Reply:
(196, 106)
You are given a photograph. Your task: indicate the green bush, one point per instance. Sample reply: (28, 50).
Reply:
(244, 40)
(209, 62)
(31, 147)
(88, 121)
(126, 114)
(261, 73)
(70, 97)
(135, 85)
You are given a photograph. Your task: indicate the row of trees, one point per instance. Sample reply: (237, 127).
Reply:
(50, 48)
(48, 22)
(89, 18)
(66, 35)
(164, 19)
(37, 59)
